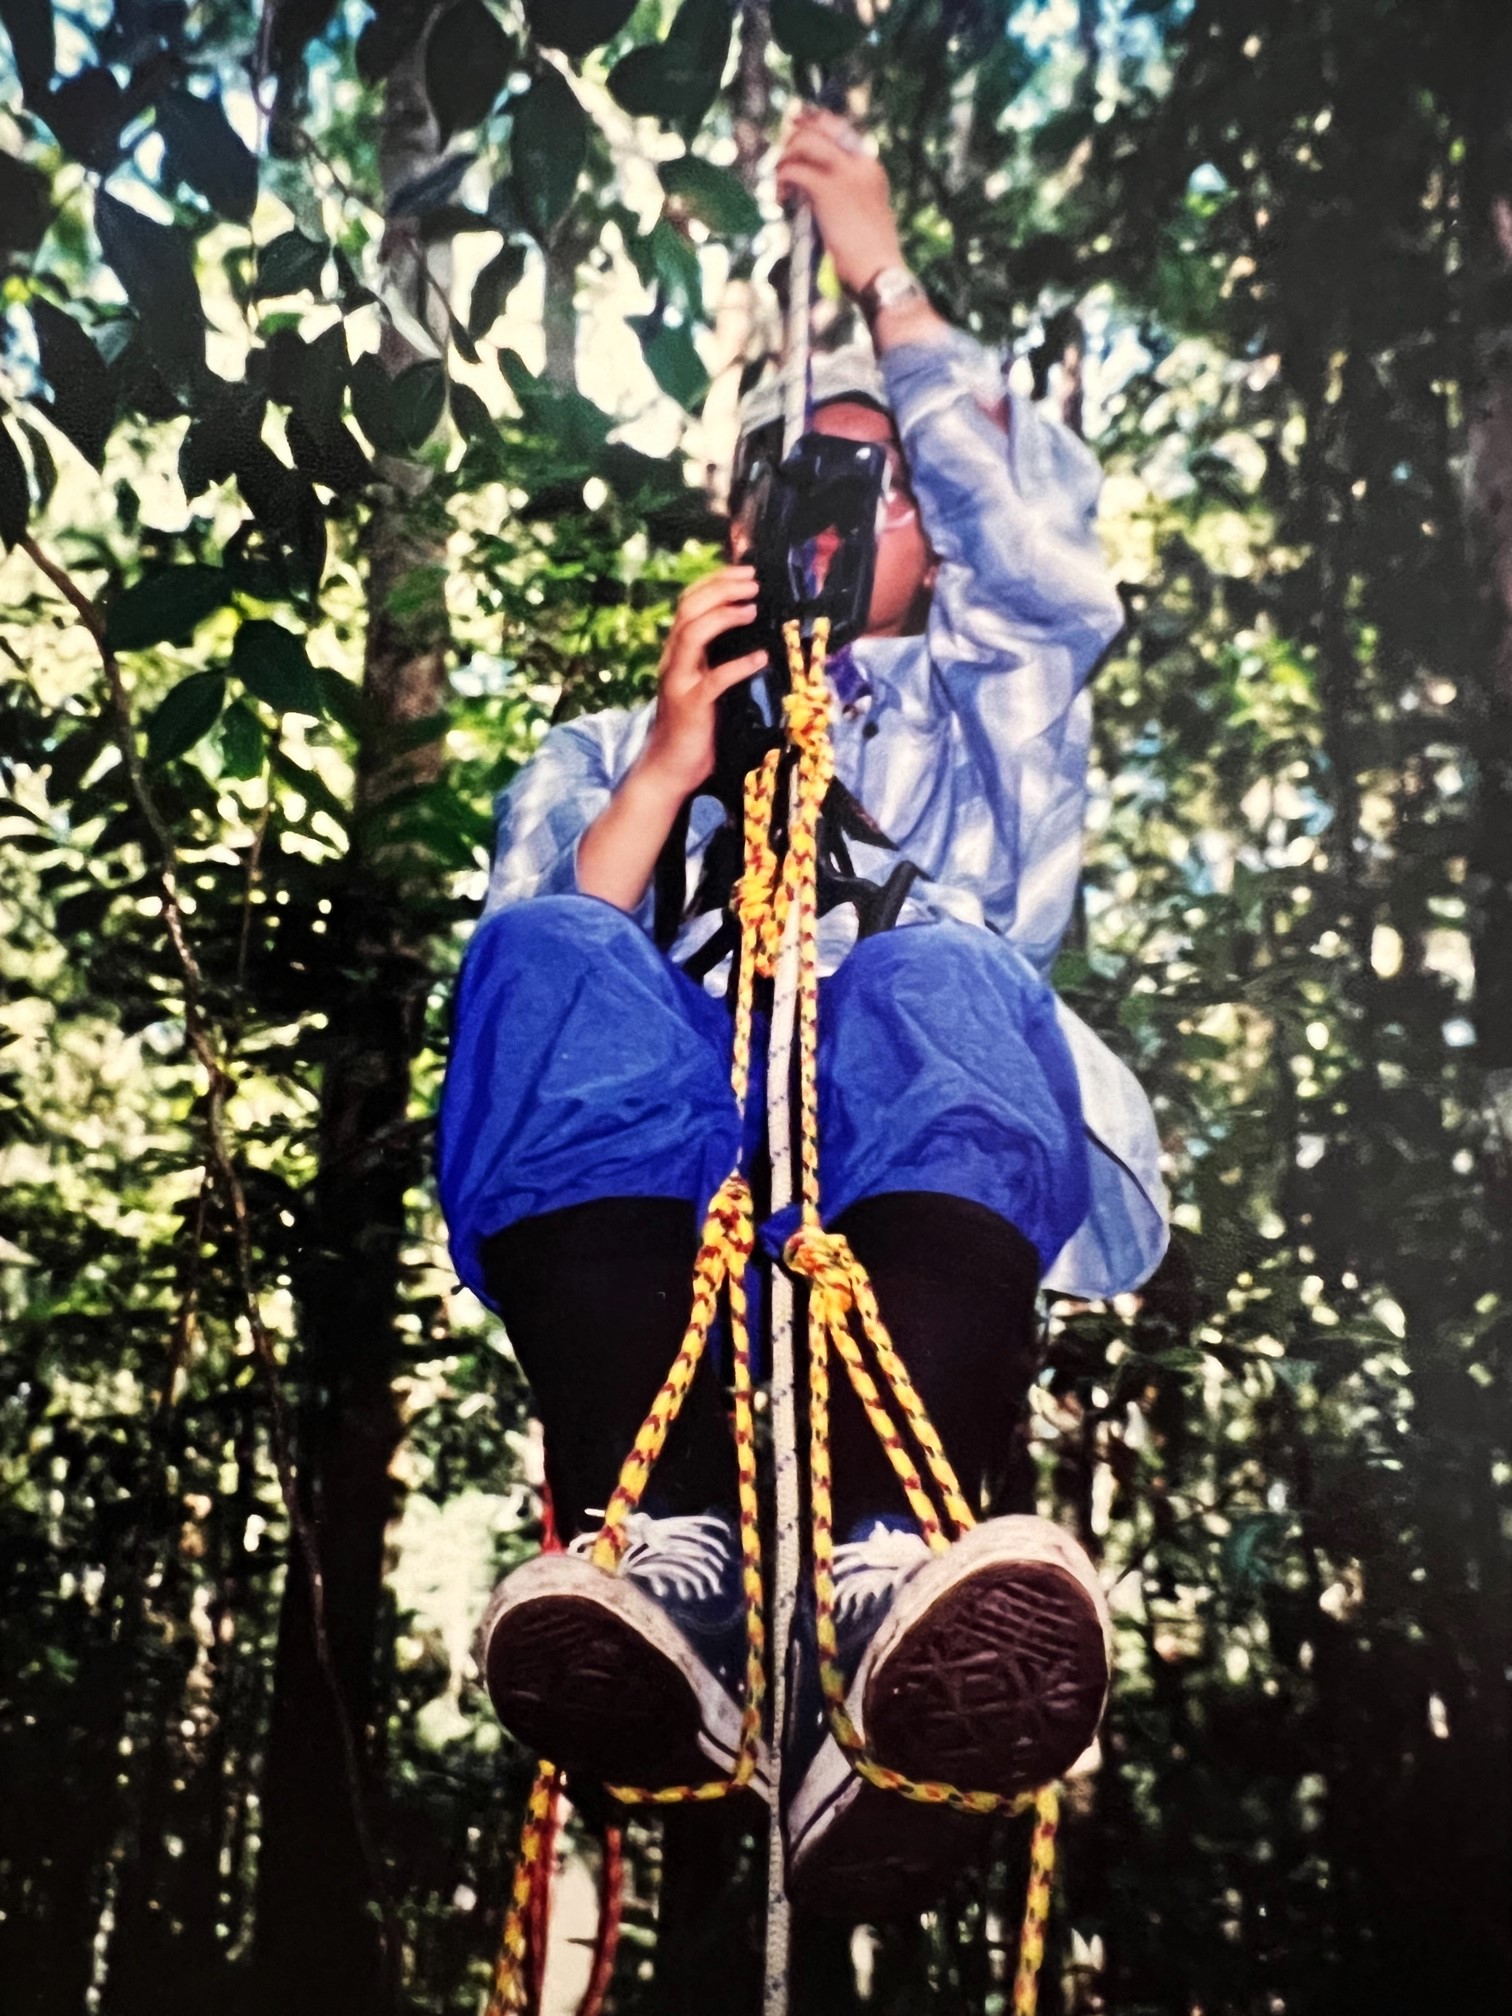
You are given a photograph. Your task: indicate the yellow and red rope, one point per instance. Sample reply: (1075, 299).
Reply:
(763, 899)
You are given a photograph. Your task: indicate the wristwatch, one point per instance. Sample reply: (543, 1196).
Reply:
(893, 287)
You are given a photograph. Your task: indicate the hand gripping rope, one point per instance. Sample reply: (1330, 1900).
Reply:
(770, 896)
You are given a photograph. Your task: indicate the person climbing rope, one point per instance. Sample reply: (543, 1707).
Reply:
(976, 1141)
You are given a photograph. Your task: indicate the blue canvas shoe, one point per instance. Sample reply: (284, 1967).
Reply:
(633, 1678)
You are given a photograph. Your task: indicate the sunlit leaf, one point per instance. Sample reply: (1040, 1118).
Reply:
(244, 746)
(713, 195)
(674, 362)
(548, 149)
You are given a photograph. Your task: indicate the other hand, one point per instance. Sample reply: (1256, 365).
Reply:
(680, 747)
(825, 159)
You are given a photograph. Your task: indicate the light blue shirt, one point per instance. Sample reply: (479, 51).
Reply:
(968, 746)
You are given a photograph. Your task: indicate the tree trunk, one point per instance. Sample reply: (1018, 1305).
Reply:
(559, 307)
(320, 1942)
(1488, 201)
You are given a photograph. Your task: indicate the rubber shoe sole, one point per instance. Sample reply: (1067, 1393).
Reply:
(990, 1672)
(588, 1670)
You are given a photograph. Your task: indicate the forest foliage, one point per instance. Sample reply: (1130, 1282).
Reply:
(360, 373)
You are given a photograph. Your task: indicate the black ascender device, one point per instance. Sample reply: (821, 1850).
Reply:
(811, 521)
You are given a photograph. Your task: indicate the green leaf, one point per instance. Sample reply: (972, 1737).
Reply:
(1295, 1373)
(165, 608)
(1248, 1547)
(419, 394)
(337, 460)
(389, 34)
(15, 491)
(313, 788)
(290, 264)
(25, 205)
(655, 82)
(713, 195)
(87, 112)
(813, 33)
(1000, 79)
(1055, 139)
(221, 437)
(425, 194)
(29, 23)
(341, 699)
(373, 404)
(83, 403)
(578, 427)
(548, 149)
(244, 746)
(320, 382)
(676, 81)
(155, 264)
(467, 59)
(472, 417)
(675, 364)
(190, 710)
(209, 153)
(274, 666)
(664, 257)
(493, 287)
(576, 26)
(44, 468)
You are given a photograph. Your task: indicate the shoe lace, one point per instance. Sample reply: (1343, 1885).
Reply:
(685, 1557)
(867, 1570)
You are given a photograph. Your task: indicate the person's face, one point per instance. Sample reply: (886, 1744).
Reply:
(905, 568)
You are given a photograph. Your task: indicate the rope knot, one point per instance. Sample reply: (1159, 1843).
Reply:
(806, 711)
(731, 1224)
(827, 1263)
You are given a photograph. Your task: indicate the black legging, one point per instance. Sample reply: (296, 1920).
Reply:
(596, 1299)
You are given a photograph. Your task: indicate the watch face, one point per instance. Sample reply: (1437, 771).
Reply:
(893, 285)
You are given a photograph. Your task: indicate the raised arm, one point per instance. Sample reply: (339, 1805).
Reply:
(1007, 495)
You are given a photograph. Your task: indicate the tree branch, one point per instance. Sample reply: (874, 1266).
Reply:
(221, 1164)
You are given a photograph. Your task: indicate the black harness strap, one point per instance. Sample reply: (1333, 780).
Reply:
(878, 905)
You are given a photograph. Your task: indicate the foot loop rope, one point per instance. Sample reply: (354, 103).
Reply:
(763, 899)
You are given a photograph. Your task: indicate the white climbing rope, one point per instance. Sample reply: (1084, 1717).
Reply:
(787, 1556)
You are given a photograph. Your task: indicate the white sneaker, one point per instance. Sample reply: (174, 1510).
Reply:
(986, 1667)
